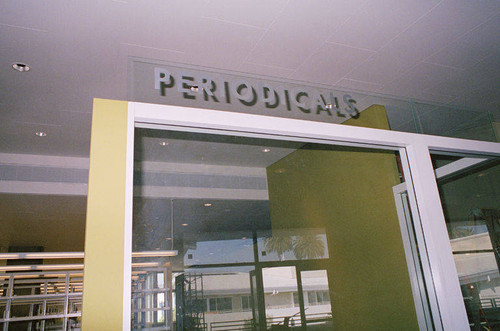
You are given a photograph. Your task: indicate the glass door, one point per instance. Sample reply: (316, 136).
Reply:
(417, 262)
(469, 187)
(266, 233)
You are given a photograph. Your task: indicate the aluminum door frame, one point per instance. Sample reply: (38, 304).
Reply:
(450, 313)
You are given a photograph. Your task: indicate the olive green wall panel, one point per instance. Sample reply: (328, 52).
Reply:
(348, 192)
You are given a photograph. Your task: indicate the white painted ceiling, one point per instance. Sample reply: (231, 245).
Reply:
(445, 51)
(435, 50)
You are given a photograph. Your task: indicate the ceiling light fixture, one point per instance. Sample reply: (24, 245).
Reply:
(40, 134)
(207, 204)
(266, 150)
(21, 67)
(163, 143)
(185, 224)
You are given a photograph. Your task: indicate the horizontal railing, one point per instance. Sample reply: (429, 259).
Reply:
(42, 296)
(271, 321)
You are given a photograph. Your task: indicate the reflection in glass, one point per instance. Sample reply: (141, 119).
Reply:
(229, 237)
(318, 310)
(469, 189)
(150, 294)
(280, 295)
(292, 244)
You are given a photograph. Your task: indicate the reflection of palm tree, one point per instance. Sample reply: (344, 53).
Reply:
(308, 246)
(279, 243)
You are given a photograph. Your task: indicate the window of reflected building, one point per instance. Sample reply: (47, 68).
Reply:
(247, 233)
(469, 188)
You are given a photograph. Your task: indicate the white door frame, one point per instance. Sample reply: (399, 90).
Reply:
(416, 148)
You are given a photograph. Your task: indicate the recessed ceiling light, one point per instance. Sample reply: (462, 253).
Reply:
(40, 134)
(184, 224)
(266, 150)
(207, 204)
(163, 143)
(21, 67)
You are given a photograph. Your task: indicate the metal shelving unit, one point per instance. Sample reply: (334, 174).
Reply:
(152, 298)
(41, 300)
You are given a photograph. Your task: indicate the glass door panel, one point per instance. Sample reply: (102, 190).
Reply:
(469, 188)
(244, 222)
(417, 262)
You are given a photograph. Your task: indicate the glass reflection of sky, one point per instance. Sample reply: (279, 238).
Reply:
(239, 251)
(221, 251)
(288, 255)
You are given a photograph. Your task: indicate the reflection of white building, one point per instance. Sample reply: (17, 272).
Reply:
(476, 267)
(229, 298)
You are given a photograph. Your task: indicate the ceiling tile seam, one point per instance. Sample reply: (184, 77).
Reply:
(349, 46)
(411, 25)
(235, 23)
(350, 17)
(318, 49)
(378, 86)
(444, 47)
(154, 48)
(120, 67)
(311, 54)
(449, 132)
(443, 65)
(391, 40)
(23, 27)
(265, 32)
(429, 91)
(267, 65)
(483, 59)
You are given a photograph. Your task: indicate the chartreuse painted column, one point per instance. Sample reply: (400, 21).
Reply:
(348, 192)
(103, 280)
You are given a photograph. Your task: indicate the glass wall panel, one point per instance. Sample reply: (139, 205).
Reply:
(452, 121)
(470, 194)
(241, 233)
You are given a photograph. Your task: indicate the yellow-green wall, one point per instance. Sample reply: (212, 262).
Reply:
(349, 193)
(105, 225)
